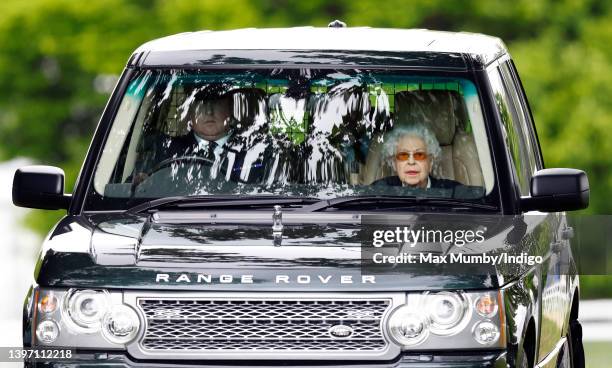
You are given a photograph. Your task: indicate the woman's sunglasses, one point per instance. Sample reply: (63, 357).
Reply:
(417, 156)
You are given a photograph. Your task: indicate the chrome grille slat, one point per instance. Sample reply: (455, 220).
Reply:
(236, 347)
(277, 311)
(234, 326)
(257, 331)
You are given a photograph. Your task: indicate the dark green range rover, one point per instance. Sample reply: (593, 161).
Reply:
(265, 197)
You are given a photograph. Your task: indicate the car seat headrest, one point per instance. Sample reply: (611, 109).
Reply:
(352, 103)
(248, 104)
(436, 109)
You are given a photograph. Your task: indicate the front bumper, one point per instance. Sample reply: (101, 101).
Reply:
(496, 359)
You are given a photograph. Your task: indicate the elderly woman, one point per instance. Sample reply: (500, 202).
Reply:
(412, 151)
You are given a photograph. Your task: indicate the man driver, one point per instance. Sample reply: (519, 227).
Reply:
(211, 124)
(210, 119)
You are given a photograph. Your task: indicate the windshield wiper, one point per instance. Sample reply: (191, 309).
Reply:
(220, 201)
(310, 204)
(395, 201)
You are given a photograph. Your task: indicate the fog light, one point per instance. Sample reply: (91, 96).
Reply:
(120, 325)
(486, 305)
(48, 303)
(47, 331)
(408, 327)
(486, 333)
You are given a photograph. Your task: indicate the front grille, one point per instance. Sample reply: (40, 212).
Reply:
(218, 325)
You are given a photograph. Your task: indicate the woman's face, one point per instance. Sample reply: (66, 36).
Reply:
(413, 171)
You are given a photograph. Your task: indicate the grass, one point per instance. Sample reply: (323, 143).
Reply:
(598, 354)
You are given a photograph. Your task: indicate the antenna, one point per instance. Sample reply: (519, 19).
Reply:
(336, 24)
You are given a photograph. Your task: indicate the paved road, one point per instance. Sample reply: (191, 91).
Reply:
(596, 318)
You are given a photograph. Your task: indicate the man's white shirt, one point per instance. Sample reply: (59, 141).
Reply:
(203, 145)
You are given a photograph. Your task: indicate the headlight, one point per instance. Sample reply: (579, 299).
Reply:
(96, 319)
(448, 312)
(120, 324)
(407, 326)
(86, 308)
(443, 320)
(47, 331)
(486, 333)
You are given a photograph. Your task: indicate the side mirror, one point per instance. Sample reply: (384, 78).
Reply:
(40, 187)
(555, 190)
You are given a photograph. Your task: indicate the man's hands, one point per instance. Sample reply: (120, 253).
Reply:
(139, 178)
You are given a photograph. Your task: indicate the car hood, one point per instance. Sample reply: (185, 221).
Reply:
(138, 252)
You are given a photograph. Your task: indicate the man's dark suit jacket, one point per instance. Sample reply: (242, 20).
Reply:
(395, 181)
(187, 145)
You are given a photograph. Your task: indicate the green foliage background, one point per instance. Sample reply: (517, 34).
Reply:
(52, 51)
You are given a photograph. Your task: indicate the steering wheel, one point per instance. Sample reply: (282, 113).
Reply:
(169, 161)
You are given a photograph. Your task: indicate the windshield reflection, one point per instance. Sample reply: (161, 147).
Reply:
(304, 132)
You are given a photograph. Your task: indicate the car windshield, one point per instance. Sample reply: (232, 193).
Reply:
(321, 133)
